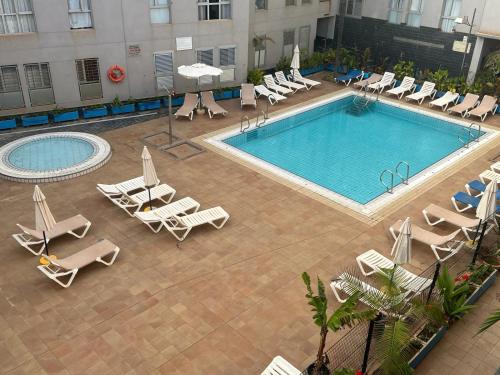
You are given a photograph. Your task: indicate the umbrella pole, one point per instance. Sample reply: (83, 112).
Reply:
(46, 243)
(477, 231)
(149, 193)
(434, 279)
(478, 247)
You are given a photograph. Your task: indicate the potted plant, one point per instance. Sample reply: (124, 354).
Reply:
(454, 295)
(37, 119)
(65, 114)
(480, 277)
(96, 110)
(148, 105)
(404, 69)
(255, 76)
(283, 64)
(441, 79)
(345, 316)
(7, 123)
(119, 107)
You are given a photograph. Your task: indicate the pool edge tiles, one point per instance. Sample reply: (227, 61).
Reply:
(100, 156)
(374, 207)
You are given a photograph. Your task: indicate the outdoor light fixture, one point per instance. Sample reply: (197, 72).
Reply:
(464, 20)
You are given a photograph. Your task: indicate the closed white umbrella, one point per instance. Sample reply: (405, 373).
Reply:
(486, 210)
(402, 247)
(149, 172)
(44, 220)
(295, 65)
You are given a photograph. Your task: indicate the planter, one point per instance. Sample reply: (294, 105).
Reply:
(312, 70)
(487, 283)
(439, 94)
(498, 109)
(95, 112)
(148, 106)
(177, 101)
(124, 108)
(7, 124)
(226, 94)
(34, 120)
(236, 93)
(66, 116)
(428, 346)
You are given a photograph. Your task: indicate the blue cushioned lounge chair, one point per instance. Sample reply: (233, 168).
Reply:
(468, 201)
(347, 79)
(477, 185)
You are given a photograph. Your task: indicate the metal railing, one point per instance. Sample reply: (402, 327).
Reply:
(242, 121)
(470, 134)
(389, 188)
(404, 178)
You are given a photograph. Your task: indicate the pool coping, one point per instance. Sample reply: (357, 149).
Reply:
(377, 209)
(100, 156)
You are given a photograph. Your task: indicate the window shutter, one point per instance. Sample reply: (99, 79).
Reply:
(205, 56)
(164, 69)
(227, 56)
(10, 79)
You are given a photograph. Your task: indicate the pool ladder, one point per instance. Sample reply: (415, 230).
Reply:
(362, 100)
(245, 121)
(404, 178)
(470, 135)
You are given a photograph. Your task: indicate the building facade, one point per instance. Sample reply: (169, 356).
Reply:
(425, 31)
(57, 52)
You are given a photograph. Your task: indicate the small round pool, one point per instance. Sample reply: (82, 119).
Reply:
(53, 156)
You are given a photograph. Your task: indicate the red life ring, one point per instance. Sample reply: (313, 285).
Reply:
(116, 73)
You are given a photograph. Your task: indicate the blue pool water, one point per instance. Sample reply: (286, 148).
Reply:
(49, 154)
(346, 153)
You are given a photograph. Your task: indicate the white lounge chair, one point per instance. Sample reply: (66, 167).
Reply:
(495, 167)
(68, 267)
(354, 285)
(295, 76)
(129, 186)
(180, 226)
(435, 214)
(155, 218)
(427, 90)
(489, 175)
(408, 84)
(133, 203)
(444, 101)
(386, 81)
(280, 77)
(280, 366)
(273, 97)
(376, 262)
(447, 244)
(30, 239)
(273, 86)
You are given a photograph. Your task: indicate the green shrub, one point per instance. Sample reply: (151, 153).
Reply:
(255, 76)
(440, 78)
(404, 68)
(283, 63)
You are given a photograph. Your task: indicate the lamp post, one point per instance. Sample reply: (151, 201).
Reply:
(465, 21)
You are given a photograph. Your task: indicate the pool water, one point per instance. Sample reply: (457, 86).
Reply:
(50, 154)
(346, 153)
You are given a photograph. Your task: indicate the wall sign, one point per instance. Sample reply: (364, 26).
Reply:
(184, 43)
(134, 50)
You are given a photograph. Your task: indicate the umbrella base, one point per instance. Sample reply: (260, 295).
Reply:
(147, 208)
(44, 261)
(200, 111)
(470, 244)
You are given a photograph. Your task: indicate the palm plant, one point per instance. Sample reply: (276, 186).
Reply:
(453, 296)
(345, 316)
(490, 321)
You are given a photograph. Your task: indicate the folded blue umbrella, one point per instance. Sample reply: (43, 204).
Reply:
(479, 186)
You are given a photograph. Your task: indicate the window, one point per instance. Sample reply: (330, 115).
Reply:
(288, 42)
(16, 16)
(451, 11)
(396, 11)
(39, 84)
(304, 36)
(214, 9)
(11, 95)
(261, 4)
(306, 2)
(205, 56)
(289, 3)
(415, 13)
(164, 70)
(80, 14)
(260, 50)
(351, 7)
(227, 62)
(89, 79)
(159, 11)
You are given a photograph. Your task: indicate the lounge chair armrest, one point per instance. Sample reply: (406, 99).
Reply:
(413, 88)
(433, 93)
(393, 84)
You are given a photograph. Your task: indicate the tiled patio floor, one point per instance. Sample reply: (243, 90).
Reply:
(224, 302)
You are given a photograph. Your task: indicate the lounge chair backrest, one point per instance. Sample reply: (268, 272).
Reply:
(387, 78)
(280, 76)
(190, 100)
(427, 87)
(407, 82)
(296, 73)
(269, 80)
(207, 98)
(247, 90)
(373, 78)
(487, 103)
(470, 100)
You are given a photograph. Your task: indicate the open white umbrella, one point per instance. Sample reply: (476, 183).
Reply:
(44, 220)
(486, 210)
(198, 70)
(149, 172)
(295, 64)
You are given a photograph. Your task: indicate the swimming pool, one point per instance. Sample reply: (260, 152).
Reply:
(327, 147)
(52, 156)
